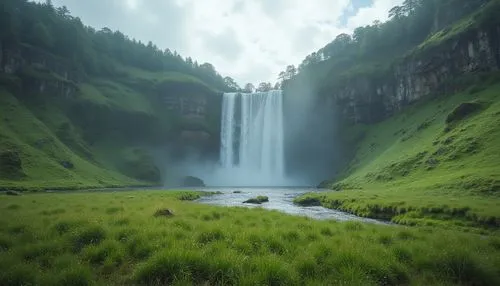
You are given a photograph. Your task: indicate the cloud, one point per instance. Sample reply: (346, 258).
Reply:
(225, 45)
(249, 40)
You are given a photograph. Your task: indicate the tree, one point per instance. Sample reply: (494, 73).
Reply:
(396, 12)
(291, 71)
(410, 6)
(264, 87)
(63, 12)
(282, 76)
(231, 84)
(40, 35)
(249, 88)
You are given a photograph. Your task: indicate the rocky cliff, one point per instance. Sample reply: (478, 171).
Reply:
(115, 122)
(433, 68)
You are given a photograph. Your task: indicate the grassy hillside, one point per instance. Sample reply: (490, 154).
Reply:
(155, 238)
(436, 163)
(40, 158)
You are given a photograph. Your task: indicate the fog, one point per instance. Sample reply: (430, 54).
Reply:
(310, 134)
(307, 144)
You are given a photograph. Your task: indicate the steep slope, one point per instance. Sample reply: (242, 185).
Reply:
(435, 163)
(103, 132)
(33, 154)
(422, 137)
(83, 108)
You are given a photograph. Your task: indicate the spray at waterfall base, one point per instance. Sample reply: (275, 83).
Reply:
(252, 145)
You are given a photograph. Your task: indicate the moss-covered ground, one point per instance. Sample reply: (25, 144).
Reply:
(159, 238)
(436, 163)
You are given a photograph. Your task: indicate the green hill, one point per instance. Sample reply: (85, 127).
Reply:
(435, 163)
(82, 108)
(421, 136)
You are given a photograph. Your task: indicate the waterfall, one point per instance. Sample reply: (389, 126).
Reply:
(252, 139)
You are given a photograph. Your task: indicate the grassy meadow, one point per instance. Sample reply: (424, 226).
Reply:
(130, 238)
(435, 164)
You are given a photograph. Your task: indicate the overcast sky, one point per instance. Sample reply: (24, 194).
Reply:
(249, 40)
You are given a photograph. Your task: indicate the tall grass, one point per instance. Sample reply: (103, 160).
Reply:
(205, 245)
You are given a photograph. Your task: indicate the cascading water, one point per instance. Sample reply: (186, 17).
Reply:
(252, 139)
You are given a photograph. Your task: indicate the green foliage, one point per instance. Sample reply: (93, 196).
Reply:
(372, 51)
(10, 165)
(433, 164)
(91, 51)
(74, 86)
(189, 196)
(242, 246)
(33, 153)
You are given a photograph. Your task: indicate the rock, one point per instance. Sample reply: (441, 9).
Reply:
(67, 164)
(191, 181)
(258, 200)
(11, 165)
(462, 111)
(237, 192)
(13, 193)
(164, 212)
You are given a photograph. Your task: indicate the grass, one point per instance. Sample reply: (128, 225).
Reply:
(436, 163)
(116, 96)
(37, 139)
(114, 238)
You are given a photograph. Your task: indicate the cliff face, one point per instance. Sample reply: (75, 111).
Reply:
(39, 71)
(428, 71)
(115, 121)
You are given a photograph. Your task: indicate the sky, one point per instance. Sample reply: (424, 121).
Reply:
(248, 40)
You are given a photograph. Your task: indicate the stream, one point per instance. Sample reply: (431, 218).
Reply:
(280, 199)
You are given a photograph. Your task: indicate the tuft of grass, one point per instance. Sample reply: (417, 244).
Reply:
(90, 235)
